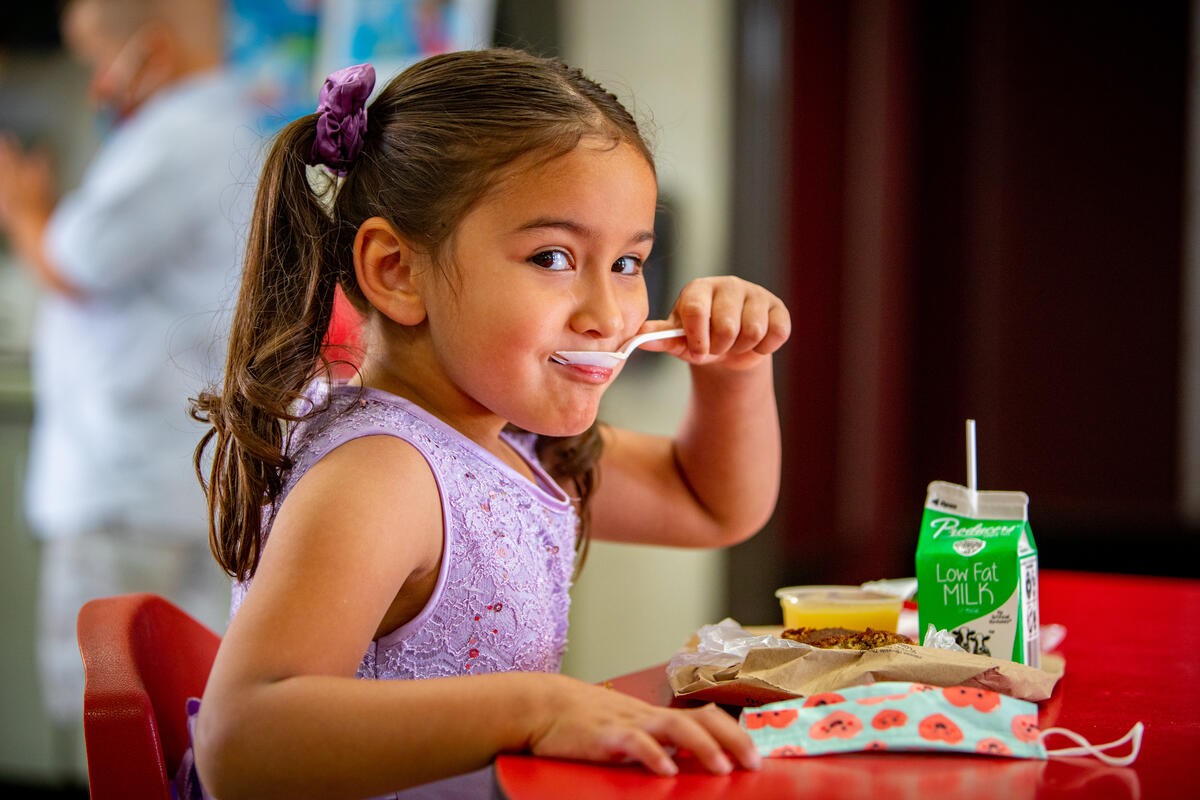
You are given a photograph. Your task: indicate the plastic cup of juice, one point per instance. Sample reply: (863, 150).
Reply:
(839, 607)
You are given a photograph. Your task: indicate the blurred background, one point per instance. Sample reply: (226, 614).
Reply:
(981, 210)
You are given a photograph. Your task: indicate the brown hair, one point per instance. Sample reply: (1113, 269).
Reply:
(439, 136)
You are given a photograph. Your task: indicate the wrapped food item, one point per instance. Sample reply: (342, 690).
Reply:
(726, 663)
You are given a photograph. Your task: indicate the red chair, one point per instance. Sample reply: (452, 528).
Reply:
(142, 658)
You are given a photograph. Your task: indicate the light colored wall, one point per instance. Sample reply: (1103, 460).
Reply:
(670, 62)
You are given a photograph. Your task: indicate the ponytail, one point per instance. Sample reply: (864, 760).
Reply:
(283, 311)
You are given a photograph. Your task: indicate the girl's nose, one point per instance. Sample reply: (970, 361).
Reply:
(598, 312)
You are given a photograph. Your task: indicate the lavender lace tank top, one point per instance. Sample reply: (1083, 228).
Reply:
(501, 598)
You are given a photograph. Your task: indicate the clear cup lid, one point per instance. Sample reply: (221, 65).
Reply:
(846, 595)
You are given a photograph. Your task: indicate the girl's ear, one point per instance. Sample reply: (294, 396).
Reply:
(385, 264)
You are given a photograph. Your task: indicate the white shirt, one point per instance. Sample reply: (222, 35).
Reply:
(154, 238)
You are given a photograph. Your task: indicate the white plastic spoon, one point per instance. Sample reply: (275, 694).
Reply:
(604, 358)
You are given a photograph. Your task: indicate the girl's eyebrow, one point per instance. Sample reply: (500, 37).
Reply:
(577, 228)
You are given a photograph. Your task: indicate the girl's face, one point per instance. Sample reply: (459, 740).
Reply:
(550, 260)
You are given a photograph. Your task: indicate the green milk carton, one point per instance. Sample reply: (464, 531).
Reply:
(977, 573)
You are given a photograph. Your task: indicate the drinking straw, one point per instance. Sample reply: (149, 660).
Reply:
(971, 476)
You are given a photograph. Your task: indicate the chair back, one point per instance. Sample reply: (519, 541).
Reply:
(142, 658)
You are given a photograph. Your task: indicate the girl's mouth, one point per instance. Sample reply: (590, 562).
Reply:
(586, 373)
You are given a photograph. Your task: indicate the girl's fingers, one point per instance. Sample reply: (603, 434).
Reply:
(637, 745)
(608, 727)
(712, 737)
(779, 328)
(686, 732)
(730, 316)
(754, 323)
(727, 313)
(731, 737)
(694, 310)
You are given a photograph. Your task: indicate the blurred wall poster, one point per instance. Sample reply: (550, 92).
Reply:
(285, 48)
(272, 44)
(393, 34)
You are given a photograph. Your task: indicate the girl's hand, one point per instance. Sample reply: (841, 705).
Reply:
(729, 321)
(597, 724)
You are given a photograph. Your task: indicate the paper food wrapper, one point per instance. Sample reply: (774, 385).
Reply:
(729, 665)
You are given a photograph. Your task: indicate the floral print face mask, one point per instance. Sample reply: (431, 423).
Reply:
(898, 716)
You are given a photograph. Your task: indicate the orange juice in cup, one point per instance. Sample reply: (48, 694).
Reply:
(839, 607)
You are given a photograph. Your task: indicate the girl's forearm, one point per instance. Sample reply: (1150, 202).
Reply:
(328, 737)
(728, 447)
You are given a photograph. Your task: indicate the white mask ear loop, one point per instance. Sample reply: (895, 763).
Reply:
(1086, 748)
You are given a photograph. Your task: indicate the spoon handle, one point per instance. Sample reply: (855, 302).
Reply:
(640, 340)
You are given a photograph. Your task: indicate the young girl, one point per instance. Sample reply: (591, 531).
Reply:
(489, 209)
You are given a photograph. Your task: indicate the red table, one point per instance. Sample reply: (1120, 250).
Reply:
(1132, 653)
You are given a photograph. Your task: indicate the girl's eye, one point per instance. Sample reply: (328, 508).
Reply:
(627, 265)
(555, 260)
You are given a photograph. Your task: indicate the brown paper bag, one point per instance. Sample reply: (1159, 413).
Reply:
(768, 674)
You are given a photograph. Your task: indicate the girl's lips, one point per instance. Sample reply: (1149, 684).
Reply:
(585, 373)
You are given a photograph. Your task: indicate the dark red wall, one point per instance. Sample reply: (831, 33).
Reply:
(1023, 267)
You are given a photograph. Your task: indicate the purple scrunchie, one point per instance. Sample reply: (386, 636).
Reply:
(343, 110)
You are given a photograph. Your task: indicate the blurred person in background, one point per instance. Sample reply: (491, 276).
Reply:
(137, 263)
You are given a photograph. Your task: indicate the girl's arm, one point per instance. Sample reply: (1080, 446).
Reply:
(716, 482)
(283, 715)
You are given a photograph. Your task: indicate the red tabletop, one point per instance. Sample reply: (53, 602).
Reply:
(1132, 653)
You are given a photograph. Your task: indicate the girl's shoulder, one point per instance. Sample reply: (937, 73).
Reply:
(333, 415)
